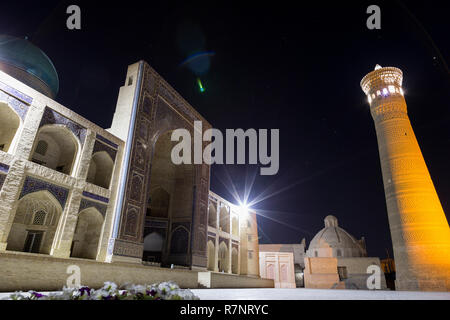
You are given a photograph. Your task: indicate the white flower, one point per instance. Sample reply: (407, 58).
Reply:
(164, 290)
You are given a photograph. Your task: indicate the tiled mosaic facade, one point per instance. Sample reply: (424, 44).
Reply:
(32, 185)
(98, 147)
(160, 109)
(53, 117)
(85, 203)
(17, 100)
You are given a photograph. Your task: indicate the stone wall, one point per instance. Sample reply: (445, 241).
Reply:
(321, 273)
(25, 271)
(357, 271)
(223, 280)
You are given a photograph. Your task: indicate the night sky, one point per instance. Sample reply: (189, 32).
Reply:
(272, 65)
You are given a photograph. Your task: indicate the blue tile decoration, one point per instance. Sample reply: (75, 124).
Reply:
(95, 197)
(98, 146)
(4, 167)
(15, 93)
(33, 185)
(85, 203)
(112, 144)
(212, 234)
(2, 180)
(20, 107)
(52, 117)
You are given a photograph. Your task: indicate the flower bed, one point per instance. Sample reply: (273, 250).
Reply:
(110, 291)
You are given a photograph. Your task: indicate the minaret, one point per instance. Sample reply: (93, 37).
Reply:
(419, 228)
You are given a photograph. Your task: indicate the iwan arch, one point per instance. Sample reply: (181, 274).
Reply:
(74, 193)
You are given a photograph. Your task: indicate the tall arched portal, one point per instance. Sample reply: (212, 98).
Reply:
(170, 205)
(155, 111)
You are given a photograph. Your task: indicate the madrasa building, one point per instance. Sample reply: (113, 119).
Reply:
(109, 200)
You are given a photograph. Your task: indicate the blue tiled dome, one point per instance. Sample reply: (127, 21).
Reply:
(26, 62)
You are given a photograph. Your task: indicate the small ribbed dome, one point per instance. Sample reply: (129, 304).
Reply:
(333, 241)
(27, 63)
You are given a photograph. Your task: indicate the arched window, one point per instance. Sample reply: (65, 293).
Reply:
(235, 226)
(41, 147)
(211, 256)
(9, 124)
(100, 170)
(223, 257)
(316, 254)
(224, 222)
(39, 218)
(61, 148)
(87, 234)
(234, 261)
(212, 214)
(339, 253)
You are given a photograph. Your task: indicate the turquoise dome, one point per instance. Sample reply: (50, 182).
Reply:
(22, 59)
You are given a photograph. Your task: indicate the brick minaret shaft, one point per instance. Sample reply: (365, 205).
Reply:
(419, 229)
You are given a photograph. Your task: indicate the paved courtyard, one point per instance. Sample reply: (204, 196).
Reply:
(307, 294)
(315, 294)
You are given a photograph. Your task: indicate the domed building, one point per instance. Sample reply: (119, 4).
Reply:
(337, 260)
(333, 241)
(27, 63)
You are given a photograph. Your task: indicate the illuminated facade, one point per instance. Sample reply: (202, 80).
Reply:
(70, 189)
(419, 229)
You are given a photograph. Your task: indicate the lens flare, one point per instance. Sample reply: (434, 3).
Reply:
(200, 85)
